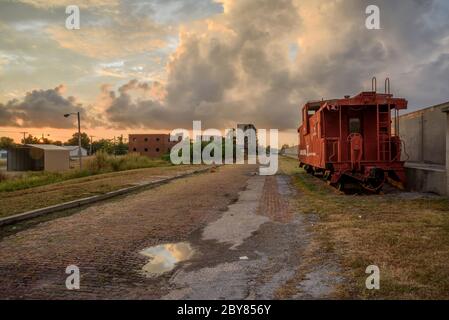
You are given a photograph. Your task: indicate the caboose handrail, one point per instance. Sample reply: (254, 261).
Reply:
(387, 85)
(374, 84)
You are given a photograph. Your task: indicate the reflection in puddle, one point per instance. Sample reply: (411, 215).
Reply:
(164, 257)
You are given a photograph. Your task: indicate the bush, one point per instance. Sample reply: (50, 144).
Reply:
(3, 177)
(102, 162)
(99, 163)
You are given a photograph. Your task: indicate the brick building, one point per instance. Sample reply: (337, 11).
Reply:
(150, 145)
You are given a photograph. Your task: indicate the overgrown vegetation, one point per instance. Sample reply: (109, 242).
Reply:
(405, 235)
(100, 163)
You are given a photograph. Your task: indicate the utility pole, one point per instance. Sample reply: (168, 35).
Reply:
(91, 144)
(79, 136)
(43, 137)
(115, 153)
(24, 136)
(121, 144)
(79, 140)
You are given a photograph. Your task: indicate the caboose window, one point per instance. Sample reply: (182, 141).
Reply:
(354, 125)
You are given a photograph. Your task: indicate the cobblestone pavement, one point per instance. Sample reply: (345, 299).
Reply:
(105, 241)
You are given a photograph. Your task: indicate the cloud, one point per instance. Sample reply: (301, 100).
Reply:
(118, 36)
(41, 108)
(63, 3)
(238, 67)
(259, 61)
(137, 104)
(233, 68)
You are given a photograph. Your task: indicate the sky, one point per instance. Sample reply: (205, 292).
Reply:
(138, 66)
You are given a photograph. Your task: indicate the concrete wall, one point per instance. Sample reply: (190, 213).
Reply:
(426, 178)
(424, 135)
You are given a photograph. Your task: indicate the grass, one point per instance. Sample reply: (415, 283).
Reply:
(101, 163)
(406, 236)
(46, 195)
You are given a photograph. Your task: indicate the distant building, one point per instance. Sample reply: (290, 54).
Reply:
(150, 145)
(3, 154)
(74, 151)
(291, 152)
(244, 127)
(38, 157)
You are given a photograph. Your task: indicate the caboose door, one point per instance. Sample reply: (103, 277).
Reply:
(355, 139)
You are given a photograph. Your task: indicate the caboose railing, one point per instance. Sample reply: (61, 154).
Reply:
(332, 149)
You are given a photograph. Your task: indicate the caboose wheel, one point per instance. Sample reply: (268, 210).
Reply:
(340, 185)
(309, 169)
(373, 186)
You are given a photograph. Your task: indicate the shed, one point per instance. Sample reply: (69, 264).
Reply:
(38, 157)
(74, 151)
(3, 154)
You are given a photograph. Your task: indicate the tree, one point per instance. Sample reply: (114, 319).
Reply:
(44, 140)
(6, 142)
(85, 141)
(103, 145)
(121, 147)
(30, 140)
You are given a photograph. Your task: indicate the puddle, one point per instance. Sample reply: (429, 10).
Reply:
(163, 258)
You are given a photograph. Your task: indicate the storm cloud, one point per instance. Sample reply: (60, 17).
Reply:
(238, 66)
(253, 61)
(41, 108)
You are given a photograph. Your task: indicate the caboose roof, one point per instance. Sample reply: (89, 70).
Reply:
(366, 98)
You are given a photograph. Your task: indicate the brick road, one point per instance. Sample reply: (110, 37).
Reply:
(104, 241)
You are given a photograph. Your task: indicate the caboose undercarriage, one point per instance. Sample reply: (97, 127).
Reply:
(371, 176)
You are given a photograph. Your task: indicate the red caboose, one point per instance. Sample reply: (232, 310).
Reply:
(351, 139)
